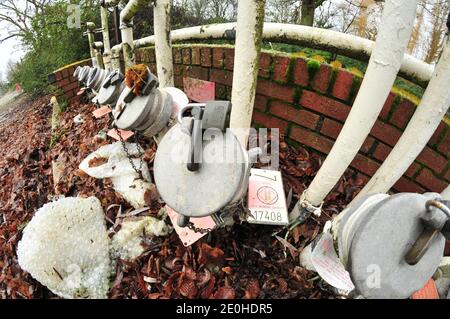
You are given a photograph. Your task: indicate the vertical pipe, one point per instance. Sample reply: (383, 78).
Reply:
(384, 64)
(106, 42)
(90, 34)
(446, 193)
(115, 57)
(126, 29)
(421, 127)
(163, 45)
(250, 22)
(116, 18)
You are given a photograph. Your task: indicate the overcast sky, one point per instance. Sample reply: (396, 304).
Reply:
(9, 50)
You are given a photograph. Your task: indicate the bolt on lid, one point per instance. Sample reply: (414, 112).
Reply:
(209, 189)
(377, 251)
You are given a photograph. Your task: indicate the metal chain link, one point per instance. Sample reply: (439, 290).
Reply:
(130, 158)
(192, 227)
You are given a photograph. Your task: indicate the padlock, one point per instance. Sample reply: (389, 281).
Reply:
(111, 88)
(200, 172)
(148, 112)
(385, 242)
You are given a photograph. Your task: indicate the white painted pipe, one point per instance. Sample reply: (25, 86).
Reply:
(387, 56)
(333, 41)
(126, 29)
(163, 45)
(446, 193)
(91, 39)
(106, 41)
(424, 122)
(115, 57)
(250, 22)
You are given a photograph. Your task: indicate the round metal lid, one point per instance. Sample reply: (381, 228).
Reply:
(110, 94)
(130, 115)
(96, 79)
(162, 119)
(91, 75)
(377, 263)
(203, 192)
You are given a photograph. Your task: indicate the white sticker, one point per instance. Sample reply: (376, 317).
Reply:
(328, 266)
(266, 199)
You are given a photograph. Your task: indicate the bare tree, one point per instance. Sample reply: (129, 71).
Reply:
(439, 13)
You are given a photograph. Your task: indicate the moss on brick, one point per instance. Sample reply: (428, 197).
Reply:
(355, 87)
(333, 77)
(313, 66)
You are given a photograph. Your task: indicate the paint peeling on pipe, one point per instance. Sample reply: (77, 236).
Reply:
(392, 39)
(422, 125)
(163, 45)
(250, 22)
(106, 42)
(346, 44)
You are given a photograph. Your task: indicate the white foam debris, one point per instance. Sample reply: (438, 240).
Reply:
(126, 244)
(123, 176)
(66, 248)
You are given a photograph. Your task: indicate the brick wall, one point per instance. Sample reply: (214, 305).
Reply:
(311, 105)
(63, 79)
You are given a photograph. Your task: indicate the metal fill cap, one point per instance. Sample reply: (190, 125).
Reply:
(377, 263)
(207, 190)
(109, 92)
(128, 115)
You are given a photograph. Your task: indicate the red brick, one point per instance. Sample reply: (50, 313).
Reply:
(432, 159)
(178, 81)
(221, 76)
(280, 67)
(275, 90)
(218, 58)
(342, 85)
(70, 94)
(197, 72)
(265, 61)
(177, 55)
(195, 51)
(331, 128)
(205, 57)
(367, 145)
(381, 152)
(301, 75)
(321, 79)
(311, 139)
(431, 182)
(447, 175)
(386, 133)
(406, 185)
(324, 105)
(403, 113)
(269, 121)
(63, 82)
(58, 75)
(302, 117)
(444, 144)
(260, 103)
(412, 169)
(437, 134)
(229, 59)
(70, 87)
(65, 73)
(186, 55)
(151, 55)
(364, 164)
(387, 106)
(178, 69)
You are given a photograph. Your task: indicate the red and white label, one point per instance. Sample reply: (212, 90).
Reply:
(199, 90)
(188, 236)
(266, 199)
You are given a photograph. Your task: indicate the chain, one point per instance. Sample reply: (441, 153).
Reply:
(130, 158)
(192, 227)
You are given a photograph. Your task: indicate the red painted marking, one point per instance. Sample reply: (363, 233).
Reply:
(101, 111)
(199, 90)
(125, 134)
(429, 291)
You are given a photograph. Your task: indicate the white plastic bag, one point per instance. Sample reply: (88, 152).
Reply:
(125, 179)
